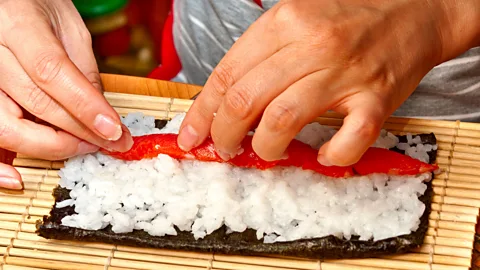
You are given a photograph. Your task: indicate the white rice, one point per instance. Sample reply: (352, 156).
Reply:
(281, 204)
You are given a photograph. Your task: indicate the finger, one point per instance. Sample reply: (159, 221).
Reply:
(10, 105)
(42, 56)
(288, 113)
(247, 99)
(237, 62)
(77, 42)
(360, 129)
(9, 177)
(29, 138)
(20, 87)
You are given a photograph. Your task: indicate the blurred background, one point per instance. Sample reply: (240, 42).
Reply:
(126, 34)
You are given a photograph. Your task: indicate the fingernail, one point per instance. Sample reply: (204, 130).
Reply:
(187, 139)
(107, 127)
(284, 156)
(86, 148)
(323, 160)
(124, 144)
(10, 183)
(223, 155)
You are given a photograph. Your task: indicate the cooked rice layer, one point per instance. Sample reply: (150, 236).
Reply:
(282, 204)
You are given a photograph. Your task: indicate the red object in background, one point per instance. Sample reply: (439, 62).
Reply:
(116, 42)
(258, 2)
(170, 65)
(170, 62)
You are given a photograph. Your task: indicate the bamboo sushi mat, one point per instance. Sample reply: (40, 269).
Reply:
(449, 244)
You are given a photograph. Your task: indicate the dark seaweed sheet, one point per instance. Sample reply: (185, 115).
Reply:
(244, 243)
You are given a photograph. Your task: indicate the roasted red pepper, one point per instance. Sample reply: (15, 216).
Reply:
(375, 160)
(379, 160)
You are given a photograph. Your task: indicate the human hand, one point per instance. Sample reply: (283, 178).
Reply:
(301, 58)
(48, 68)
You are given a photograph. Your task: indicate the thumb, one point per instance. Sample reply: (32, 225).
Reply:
(9, 177)
(360, 129)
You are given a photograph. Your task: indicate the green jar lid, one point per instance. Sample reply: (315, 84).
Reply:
(97, 8)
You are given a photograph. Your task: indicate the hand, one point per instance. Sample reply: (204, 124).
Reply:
(301, 58)
(48, 68)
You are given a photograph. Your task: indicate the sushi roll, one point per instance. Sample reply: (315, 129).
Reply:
(156, 195)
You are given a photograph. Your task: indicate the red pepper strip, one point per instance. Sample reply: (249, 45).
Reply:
(299, 154)
(379, 160)
(376, 160)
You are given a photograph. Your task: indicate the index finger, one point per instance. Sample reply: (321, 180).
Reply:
(237, 62)
(44, 59)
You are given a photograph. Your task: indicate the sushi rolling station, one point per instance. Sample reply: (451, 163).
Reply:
(392, 178)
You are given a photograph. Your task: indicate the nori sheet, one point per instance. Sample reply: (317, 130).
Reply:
(244, 243)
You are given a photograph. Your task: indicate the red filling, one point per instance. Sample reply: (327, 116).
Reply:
(301, 155)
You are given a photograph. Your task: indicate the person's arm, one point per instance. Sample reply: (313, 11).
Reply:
(361, 58)
(459, 26)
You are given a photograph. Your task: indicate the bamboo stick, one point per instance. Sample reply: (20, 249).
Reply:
(14, 267)
(431, 231)
(164, 252)
(425, 258)
(12, 209)
(8, 225)
(32, 219)
(33, 163)
(455, 209)
(458, 177)
(52, 264)
(43, 195)
(162, 259)
(465, 155)
(5, 241)
(457, 192)
(148, 265)
(27, 201)
(456, 184)
(458, 162)
(34, 171)
(40, 179)
(28, 227)
(39, 186)
(451, 225)
(444, 250)
(139, 102)
(466, 149)
(11, 217)
(7, 233)
(38, 211)
(28, 236)
(324, 266)
(448, 242)
(156, 114)
(398, 264)
(456, 201)
(33, 238)
(65, 257)
(464, 170)
(49, 246)
(179, 108)
(453, 217)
